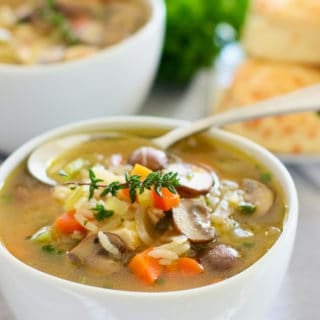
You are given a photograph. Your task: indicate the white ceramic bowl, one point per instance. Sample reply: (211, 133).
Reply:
(114, 81)
(246, 296)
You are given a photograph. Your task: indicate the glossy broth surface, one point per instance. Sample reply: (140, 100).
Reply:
(27, 205)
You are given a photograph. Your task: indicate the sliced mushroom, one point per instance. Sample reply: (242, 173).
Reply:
(258, 194)
(194, 180)
(220, 258)
(90, 253)
(112, 243)
(151, 158)
(192, 219)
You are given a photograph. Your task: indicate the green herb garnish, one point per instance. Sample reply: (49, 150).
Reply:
(101, 212)
(247, 207)
(265, 177)
(112, 189)
(48, 248)
(50, 13)
(248, 245)
(60, 252)
(157, 180)
(94, 183)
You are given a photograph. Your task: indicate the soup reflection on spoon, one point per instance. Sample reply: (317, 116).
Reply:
(307, 99)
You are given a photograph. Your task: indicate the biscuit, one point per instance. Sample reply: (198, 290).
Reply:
(258, 80)
(284, 30)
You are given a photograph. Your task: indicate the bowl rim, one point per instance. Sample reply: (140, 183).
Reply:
(251, 148)
(157, 16)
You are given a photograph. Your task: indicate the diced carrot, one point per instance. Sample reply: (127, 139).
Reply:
(123, 194)
(145, 267)
(71, 213)
(189, 266)
(168, 200)
(139, 170)
(173, 267)
(66, 223)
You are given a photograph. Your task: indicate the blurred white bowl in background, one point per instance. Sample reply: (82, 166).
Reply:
(114, 81)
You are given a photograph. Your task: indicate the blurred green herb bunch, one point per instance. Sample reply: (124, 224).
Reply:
(196, 31)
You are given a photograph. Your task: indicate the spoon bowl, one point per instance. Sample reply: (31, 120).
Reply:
(307, 99)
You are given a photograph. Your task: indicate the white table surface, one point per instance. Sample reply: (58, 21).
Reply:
(298, 298)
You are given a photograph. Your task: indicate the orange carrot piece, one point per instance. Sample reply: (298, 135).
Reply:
(173, 267)
(66, 223)
(189, 266)
(145, 268)
(168, 200)
(139, 170)
(123, 194)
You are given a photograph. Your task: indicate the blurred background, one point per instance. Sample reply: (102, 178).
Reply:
(196, 32)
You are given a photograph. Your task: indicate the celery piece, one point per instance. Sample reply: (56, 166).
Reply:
(145, 199)
(116, 205)
(43, 235)
(73, 198)
(73, 168)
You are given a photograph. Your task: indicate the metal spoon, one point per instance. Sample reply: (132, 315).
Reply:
(307, 99)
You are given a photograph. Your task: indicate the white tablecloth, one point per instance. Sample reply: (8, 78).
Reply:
(298, 298)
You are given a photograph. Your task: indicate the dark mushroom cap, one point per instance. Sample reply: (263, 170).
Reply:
(194, 179)
(258, 194)
(220, 258)
(151, 158)
(192, 219)
(89, 252)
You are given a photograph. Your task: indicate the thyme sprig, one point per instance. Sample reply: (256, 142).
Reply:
(156, 180)
(101, 212)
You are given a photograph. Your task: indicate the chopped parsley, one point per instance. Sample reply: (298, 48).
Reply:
(48, 248)
(247, 207)
(248, 245)
(101, 212)
(265, 177)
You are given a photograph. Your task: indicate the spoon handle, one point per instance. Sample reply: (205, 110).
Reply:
(307, 99)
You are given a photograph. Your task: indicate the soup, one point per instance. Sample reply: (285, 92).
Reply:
(52, 31)
(126, 216)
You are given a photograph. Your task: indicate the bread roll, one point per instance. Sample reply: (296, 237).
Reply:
(258, 80)
(284, 30)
